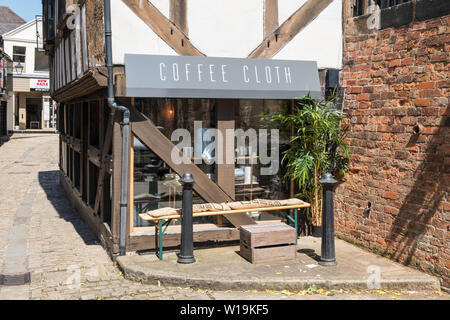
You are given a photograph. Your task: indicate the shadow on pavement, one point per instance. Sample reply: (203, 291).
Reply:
(49, 181)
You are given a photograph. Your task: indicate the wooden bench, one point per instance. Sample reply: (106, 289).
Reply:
(161, 223)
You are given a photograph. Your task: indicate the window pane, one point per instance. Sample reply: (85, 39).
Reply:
(19, 50)
(156, 186)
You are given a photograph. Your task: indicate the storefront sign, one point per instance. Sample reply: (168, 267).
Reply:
(39, 85)
(205, 77)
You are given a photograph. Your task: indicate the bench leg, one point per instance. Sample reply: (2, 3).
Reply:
(160, 229)
(295, 221)
(296, 225)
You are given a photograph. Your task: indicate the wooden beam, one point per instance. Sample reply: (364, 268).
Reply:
(163, 27)
(270, 16)
(105, 151)
(224, 170)
(162, 147)
(279, 38)
(178, 14)
(147, 241)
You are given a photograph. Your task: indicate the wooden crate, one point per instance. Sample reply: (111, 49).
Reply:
(268, 242)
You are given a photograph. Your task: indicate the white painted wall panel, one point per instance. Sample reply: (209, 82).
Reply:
(226, 28)
(287, 7)
(131, 35)
(321, 40)
(231, 28)
(163, 6)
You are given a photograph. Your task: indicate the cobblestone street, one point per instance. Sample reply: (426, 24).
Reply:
(41, 234)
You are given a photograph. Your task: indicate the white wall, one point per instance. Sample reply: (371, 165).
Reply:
(24, 36)
(321, 40)
(231, 28)
(131, 35)
(226, 28)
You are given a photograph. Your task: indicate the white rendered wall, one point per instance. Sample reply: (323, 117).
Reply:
(231, 28)
(226, 28)
(131, 35)
(321, 40)
(24, 36)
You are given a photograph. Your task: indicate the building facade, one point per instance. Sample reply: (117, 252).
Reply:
(5, 83)
(91, 132)
(29, 106)
(8, 21)
(396, 74)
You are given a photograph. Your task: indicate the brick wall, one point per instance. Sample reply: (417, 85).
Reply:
(397, 81)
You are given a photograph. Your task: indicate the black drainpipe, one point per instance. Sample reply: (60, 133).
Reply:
(125, 129)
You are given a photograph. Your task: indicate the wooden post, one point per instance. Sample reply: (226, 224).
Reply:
(178, 14)
(225, 171)
(292, 134)
(270, 16)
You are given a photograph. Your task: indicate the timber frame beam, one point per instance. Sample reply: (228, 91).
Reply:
(163, 27)
(279, 38)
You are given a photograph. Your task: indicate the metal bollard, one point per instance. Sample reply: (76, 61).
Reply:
(328, 256)
(186, 254)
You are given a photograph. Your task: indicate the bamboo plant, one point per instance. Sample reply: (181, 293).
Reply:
(317, 145)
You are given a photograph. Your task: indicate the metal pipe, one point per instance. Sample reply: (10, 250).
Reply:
(125, 129)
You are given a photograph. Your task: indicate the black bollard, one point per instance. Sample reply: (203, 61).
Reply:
(186, 254)
(328, 256)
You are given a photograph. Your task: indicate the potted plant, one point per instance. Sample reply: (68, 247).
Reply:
(318, 145)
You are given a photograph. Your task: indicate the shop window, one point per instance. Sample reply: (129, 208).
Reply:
(155, 186)
(250, 179)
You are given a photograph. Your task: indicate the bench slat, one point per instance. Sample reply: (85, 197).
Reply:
(146, 217)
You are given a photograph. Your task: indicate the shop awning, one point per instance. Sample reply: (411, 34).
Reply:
(228, 78)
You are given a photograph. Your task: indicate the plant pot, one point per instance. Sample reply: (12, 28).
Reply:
(317, 231)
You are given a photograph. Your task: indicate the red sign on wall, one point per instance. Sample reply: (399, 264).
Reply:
(39, 84)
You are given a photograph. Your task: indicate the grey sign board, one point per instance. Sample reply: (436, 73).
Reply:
(211, 77)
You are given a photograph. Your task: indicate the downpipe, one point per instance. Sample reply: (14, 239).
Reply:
(125, 130)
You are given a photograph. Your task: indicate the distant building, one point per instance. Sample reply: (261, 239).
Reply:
(8, 21)
(29, 105)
